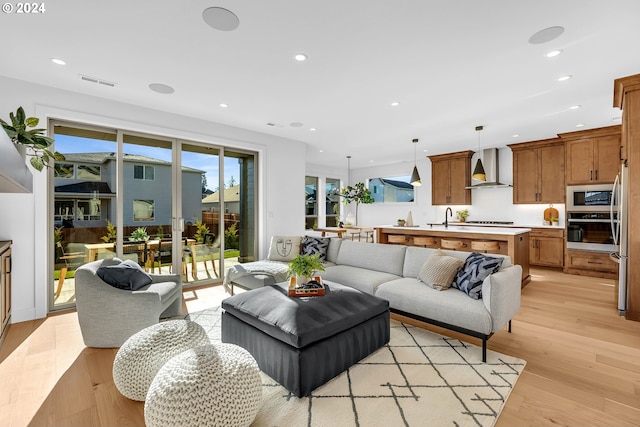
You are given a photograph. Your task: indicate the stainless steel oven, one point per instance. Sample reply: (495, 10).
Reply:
(589, 198)
(591, 231)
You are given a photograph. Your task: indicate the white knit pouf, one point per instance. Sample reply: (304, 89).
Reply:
(143, 354)
(212, 385)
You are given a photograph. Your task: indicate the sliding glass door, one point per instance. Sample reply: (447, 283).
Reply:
(172, 206)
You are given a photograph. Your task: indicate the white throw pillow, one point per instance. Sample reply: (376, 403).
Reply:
(439, 270)
(284, 248)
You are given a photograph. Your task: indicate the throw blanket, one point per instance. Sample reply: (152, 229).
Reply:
(275, 269)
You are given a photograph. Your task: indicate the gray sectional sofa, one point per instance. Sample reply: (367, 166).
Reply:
(391, 271)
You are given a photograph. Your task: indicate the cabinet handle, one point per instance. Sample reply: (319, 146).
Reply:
(591, 176)
(620, 150)
(594, 262)
(596, 174)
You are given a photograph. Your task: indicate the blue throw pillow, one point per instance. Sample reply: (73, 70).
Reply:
(476, 268)
(126, 275)
(315, 245)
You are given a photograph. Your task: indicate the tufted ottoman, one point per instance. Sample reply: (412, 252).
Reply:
(304, 342)
(143, 354)
(212, 385)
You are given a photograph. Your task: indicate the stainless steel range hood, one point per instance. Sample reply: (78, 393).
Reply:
(490, 160)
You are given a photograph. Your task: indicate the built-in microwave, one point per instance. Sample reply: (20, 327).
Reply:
(589, 198)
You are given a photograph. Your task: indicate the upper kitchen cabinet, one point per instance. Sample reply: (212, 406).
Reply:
(538, 171)
(450, 177)
(592, 156)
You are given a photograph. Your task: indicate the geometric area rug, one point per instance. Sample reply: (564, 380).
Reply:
(419, 379)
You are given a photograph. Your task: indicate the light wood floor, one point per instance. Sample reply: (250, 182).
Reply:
(583, 363)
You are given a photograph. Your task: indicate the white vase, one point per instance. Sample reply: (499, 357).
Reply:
(301, 280)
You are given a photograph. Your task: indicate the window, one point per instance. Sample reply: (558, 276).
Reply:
(311, 202)
(63, 170)
(332, 213)
(143, 210)
(144, 172)
(391, 189)
(89, 172)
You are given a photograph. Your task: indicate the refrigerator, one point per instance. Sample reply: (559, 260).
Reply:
(619, 227)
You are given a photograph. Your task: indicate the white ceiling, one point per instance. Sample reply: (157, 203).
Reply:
(452, 65)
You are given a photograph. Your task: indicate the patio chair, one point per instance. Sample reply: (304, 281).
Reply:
(71, 260)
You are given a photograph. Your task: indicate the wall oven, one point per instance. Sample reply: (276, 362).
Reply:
(591, 231)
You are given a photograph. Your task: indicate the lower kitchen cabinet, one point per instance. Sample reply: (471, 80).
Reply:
(596, 264)
(5, 287)
(546, 247)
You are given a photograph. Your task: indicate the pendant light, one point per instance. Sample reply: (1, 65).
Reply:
(348, 170)
(478, 171)
(415, 176)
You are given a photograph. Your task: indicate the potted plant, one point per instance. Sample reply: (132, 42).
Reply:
(139, 235)
(358, 194)
(462, 215)
(554, 221)
(401, 222)
(304, 267)
(34, 141)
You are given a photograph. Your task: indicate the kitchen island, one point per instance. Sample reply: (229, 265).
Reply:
(511, 241)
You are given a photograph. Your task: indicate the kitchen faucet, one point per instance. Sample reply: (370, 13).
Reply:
(446, 220)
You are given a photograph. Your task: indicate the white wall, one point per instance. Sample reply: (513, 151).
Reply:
(494, 204)
(24, 218)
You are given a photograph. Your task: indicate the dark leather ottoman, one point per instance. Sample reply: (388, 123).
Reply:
(304, 342)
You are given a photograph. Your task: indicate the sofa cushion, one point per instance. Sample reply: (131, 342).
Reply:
(315, 246)
(362, 279)
(372, 256)
(333, 249)
(449, 306)
(416, 257)
(284, 248)
(476, 268)
(127, 275)
(439, 270)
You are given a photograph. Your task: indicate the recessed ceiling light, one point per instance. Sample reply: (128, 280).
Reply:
(564, 78)
(371, 161)
(395, 104)
(220, 19)
(313, 129)
(161, 88)
(575, 107)
(296, 124)
(546, 35)
(322, 151)
(553, 53)
(300, 57)
(579, 125)
(515, 135)
(425, 150)
(223, 105)
(58, 61)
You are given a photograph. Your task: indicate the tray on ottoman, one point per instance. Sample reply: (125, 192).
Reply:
(304, 342)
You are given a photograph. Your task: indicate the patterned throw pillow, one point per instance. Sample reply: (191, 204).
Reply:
(439, 270)
(477, 267)
(284, 248)
(315, 245)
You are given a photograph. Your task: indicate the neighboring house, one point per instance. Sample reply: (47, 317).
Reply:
(85, 185)
(390, 190)
(231, 200)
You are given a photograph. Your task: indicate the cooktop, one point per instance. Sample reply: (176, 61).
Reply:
(491, 222)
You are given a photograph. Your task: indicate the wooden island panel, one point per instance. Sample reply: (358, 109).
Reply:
(514, 244)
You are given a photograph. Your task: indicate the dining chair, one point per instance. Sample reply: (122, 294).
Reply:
(70, 260)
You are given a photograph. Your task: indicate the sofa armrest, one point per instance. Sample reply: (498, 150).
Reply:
(158, 278)
(501, 295)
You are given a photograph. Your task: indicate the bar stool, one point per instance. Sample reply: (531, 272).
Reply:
(485, 246)
(452, 244)
(424, 241)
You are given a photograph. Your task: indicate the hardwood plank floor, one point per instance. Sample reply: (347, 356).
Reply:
(583, 363)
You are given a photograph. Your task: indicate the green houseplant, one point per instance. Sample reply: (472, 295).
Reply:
(462, 215)
(358, 194)
(304, 266)
(22, 133)
(139, 235)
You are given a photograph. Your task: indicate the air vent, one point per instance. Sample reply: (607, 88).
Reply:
(96, 80)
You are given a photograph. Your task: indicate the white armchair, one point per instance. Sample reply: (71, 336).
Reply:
(109, 316)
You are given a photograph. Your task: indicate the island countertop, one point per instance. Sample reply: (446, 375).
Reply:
(513, 242)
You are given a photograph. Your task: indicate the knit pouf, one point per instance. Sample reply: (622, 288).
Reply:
(212, 385)
(143, 354)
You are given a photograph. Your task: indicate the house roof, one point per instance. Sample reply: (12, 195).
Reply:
(87, 187)
(398, 184)
(103, 157)
(231, 194)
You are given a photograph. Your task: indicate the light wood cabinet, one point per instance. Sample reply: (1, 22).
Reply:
(5, 287)
(450, 175)
(626, 96)
(538, 172)
(596, 264)
(592, 156)
(546, 247)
